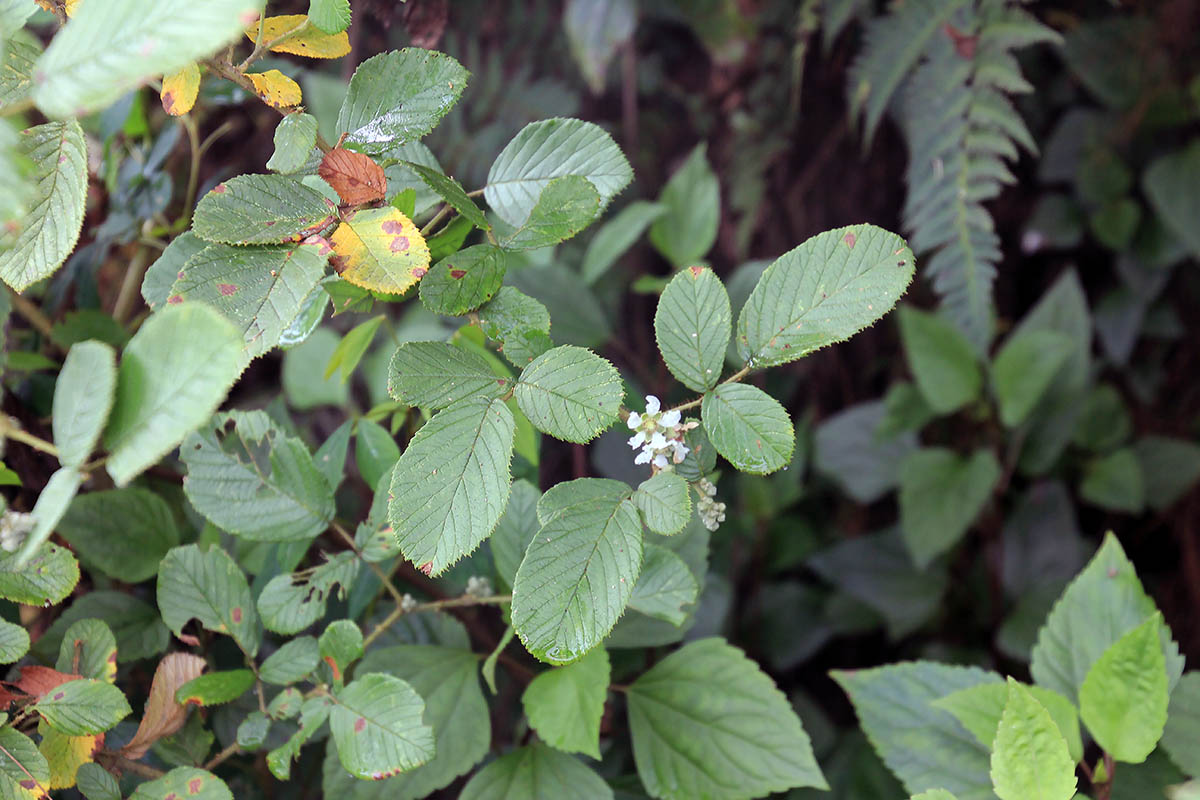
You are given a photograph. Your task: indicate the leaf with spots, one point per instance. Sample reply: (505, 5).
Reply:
(398, 97)
(749, 427)
(451, 484)
(536, 771)
(47, 578)
(354, 176)
(66, 754)
(299, 38)
(707, 722)
(163, 715)
(340, 645)
(209, 587)
(180, 89)
(313, 715)
(112, 47)
(24, 773)
(464, 281)
(89, 648)
(162, 274)
(253, 480)
(578, 572)
(261, 209)
(215, 688)
(692, 325)
(48, 230)
(276, 89)
(380, 249)
(566, 206)
(520, 323)
(452, 192)
(174, 373)
(82, 707)
(290, 603)
(437, 374)
(377, 727)
(184, 783)
(570, 393)
(822, 292)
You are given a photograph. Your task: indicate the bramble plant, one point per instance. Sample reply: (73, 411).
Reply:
(245, 624)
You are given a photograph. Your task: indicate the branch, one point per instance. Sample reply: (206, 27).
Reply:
(435, 605)
(11, 431)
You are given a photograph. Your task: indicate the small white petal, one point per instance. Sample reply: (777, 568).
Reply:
(643, 457)
(635, 420)
(670, 419)
(658, 441)
(637, 440)
(652, 404)
(660, 461)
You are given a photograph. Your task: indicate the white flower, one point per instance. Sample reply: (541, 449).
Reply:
(652, 404)
(637, 440)
(635, 421)
(643, 457)
(669, 419)
(660, 461)
(681, 451)
(658, 441)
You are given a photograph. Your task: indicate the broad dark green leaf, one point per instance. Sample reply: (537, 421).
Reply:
(749, 427)
(536, 771)
(209, 587)
(564, 705)
(375, 451)
(377, 727)
(251, 479)
(452, 192)
(520, 323)
(515, 530)
(451, 484)
(97, 783)
(616, 236)
(398, 97)
(83, 707)
(124, 533)
(1170, 467)
(1029, 756)
(850, 449)
(464, 281)
(162, 274)
(665, 586)
(83, 396)
(136, 624)
(292, 662)
(708, 704)
(1183, 724)
(941, 494)
(1171, 183)
(45, 579)
(173, 374)
(824, 291)
(692, 198)
(570, 393)
(290, 603)
(665, 501)
(566, 205)
(692, 325)
(1024, 369)
(1115, 481)
(261, 209)
(942, 361)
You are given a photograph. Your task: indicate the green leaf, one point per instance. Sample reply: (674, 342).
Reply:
(451, 484)
(549, 149)
(136, 624)
(1029, 758)
(252, 480)
(46, 233)
(536, 771)
(464, 281)
(83, 396)
(1170, 183)
(568, 494)
(375, 451)
(707, 704)
(351, 349)
(570, 393)
(1103, 603)
(934, 794)
(665, 503)
(174, 372)
(303, 367)
(924, 746)
(941, 494)
(1024, 369)
(578, 573)
(124, 533)
(295, 138)
(981, 707)
(376, 724)
(595, 31)
(82, 707)
(89, 648)
(616, 236)
(17, 56)
(1115, 482)
(1170, 467)
(51, 505)
(291, 663)
(261, 290)
(447, 679)
(108, 49)
(749, 427)
(19, 761)
(14, 642)
(692, 325)
(329, 16)
(566, 206)
(188, 782)
(162, 274)
(215, 688)
(1123, 698)
(692, 197)
(209, 587)
(1183, 724)
(850, 448)
(97, 783)
(824, 291)
(564, 705)
(340, 645)
(45, 579)
(436, 374)
(452, 192)
(664, 586)
(515, 530)
(398, 97)
(261, 209)
(290, 603)
(313, 714)
(942, 361)
(252, 731)
(520, 323)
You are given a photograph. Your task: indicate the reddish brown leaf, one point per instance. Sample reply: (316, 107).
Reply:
(163, 716)
(37, 680)
(355, 177)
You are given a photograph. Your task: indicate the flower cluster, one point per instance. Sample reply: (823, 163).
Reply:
(478, 587)
(659, 434)
(712, 513)
(14, 527)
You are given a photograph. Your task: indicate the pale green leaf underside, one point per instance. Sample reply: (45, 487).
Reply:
(748, 427)
(451, 484)
(692, 325)
(437, 374)
(189, 782)
(665, 502)
(51, 504)
(376, 724)
(570, 393)
(83, 396)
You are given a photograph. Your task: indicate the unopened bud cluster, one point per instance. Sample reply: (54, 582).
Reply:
(659, 434)
(14, 527)
(712, 513)
(479, 587)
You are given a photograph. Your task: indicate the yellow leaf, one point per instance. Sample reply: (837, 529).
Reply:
(310, 41)
(380, 249)
(275, 88)
(69, 6)
(179, 90)
(66, 754)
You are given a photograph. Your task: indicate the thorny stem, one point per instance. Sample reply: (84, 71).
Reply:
(11, 431)
(453, 602)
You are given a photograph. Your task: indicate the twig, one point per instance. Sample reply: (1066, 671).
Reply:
(232, 750)
(734, 378)
(121, 762)
(396, 594)
(32, 314)
(10, 431)
(442, 212)
(435, 605)
(130, 285)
